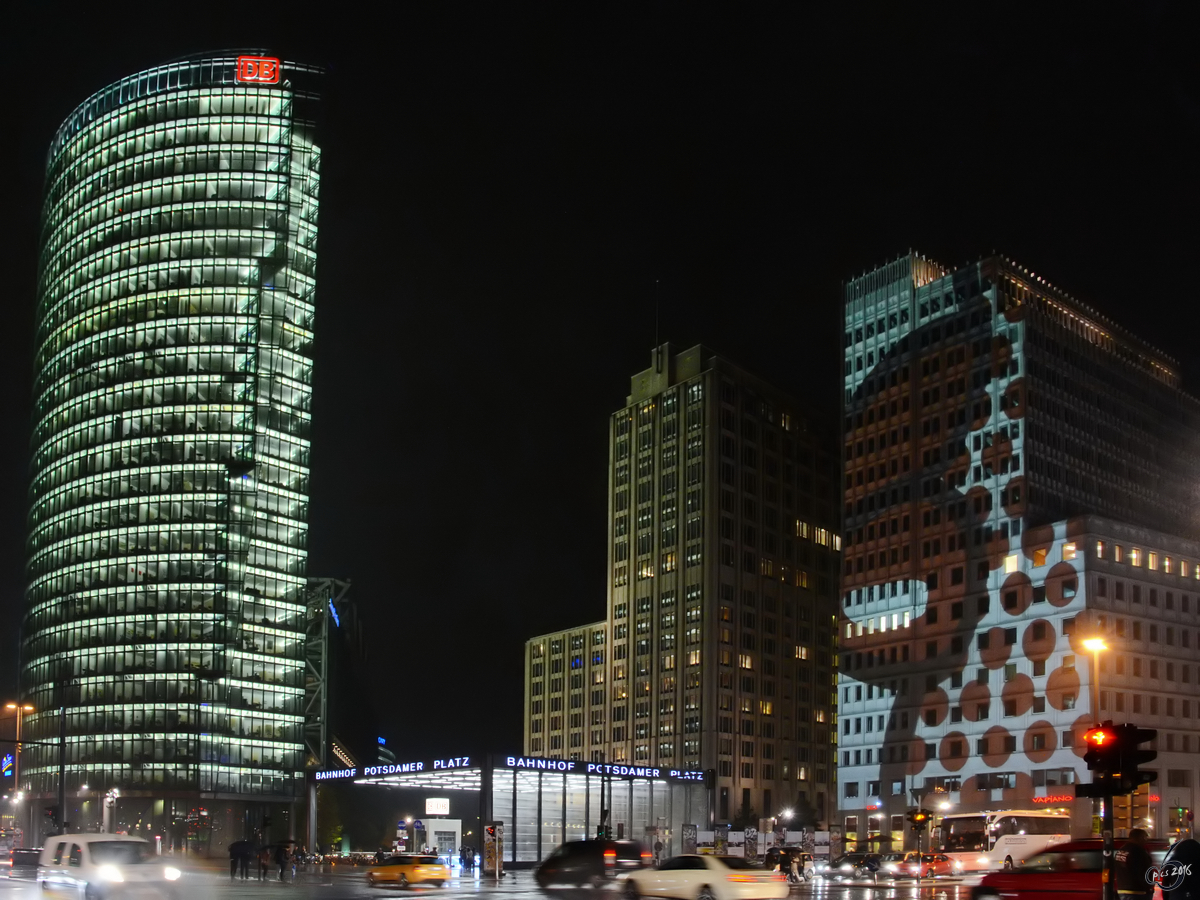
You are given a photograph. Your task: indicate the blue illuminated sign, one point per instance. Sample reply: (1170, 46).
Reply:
(6, 765)
(332, 774)
(592, 768)
(381, 740)
(333, 611)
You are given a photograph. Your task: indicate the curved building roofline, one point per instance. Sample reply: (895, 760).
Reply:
(157, 79)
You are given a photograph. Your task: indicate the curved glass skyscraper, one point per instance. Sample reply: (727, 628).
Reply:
(170, 457)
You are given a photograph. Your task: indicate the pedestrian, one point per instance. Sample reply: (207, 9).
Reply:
(264, 862)
(658, 849)
(1133, 862)
(281, 859)
(245, 852)
(234, 856)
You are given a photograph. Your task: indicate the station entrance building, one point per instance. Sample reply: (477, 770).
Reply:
(547, 802)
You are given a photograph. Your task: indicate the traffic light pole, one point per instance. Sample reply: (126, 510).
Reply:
(1110, 870)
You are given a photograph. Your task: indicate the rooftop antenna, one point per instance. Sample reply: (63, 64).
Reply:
(657, 346)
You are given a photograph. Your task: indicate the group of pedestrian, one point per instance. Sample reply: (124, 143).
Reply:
(242, 852)
(466, 858)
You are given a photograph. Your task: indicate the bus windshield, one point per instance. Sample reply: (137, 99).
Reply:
(964, 833)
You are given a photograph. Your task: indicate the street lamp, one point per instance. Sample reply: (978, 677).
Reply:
(21, 709)
(1096, 646)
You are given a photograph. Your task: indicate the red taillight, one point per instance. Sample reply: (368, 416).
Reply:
(741, 877)
(610, 857)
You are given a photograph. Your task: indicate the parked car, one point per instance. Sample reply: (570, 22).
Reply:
(409, 869)
(697, 877)
(929, 865)
(595, 862)
(1071, 868)
(91, 865)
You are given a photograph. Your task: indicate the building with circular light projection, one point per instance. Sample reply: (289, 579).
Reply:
(165, 617)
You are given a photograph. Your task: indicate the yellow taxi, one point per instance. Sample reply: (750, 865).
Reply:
(406, 870)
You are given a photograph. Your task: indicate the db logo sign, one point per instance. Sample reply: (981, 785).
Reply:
(257, 70)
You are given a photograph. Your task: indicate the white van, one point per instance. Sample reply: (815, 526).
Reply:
(98, 866)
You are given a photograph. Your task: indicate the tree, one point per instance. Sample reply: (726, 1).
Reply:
(803, 814)
(746, 817)
(329, 819)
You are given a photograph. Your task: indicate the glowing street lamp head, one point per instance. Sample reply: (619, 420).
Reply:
(1095, 645)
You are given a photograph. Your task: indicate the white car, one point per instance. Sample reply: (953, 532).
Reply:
(98, 866)
(697, 877)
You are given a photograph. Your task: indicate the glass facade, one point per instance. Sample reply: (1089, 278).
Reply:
(170, 453)
(532, 806)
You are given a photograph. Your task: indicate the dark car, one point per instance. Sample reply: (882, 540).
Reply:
(852, 865)
(24, 862)
(595, 862)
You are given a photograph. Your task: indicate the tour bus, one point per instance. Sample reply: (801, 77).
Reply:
(1003, 838)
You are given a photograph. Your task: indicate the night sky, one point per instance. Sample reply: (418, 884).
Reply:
(510, 192)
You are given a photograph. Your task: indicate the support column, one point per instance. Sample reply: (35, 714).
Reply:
(312, 816)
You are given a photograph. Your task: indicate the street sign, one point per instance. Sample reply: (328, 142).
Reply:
(418, 825)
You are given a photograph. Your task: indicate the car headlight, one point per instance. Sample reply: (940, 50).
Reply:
(109, 873)
(171, 873)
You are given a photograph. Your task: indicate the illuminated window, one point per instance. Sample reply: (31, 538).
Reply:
(820, 714)
(1135, 557)
(1117, 553)
(1068, 551)
(907, 618)
(693, 657)
(744, 661)
(801, 652)
(1152, 561)
(1099, 549)
(1167, 564)
(765, 707)
(1039, 557)
(1010, 563)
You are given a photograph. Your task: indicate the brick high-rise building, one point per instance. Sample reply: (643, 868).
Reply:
(998, 435)
(723, 571)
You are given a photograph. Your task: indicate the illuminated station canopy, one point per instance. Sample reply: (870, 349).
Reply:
(465, 773)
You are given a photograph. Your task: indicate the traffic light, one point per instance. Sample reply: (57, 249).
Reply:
(710, 778)
(1129, 739)
(1114, 754)
(52, 814)
(1103, 754)
(491, 832)
(919, 819)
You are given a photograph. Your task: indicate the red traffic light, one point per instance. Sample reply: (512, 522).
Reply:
(1100, 737)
